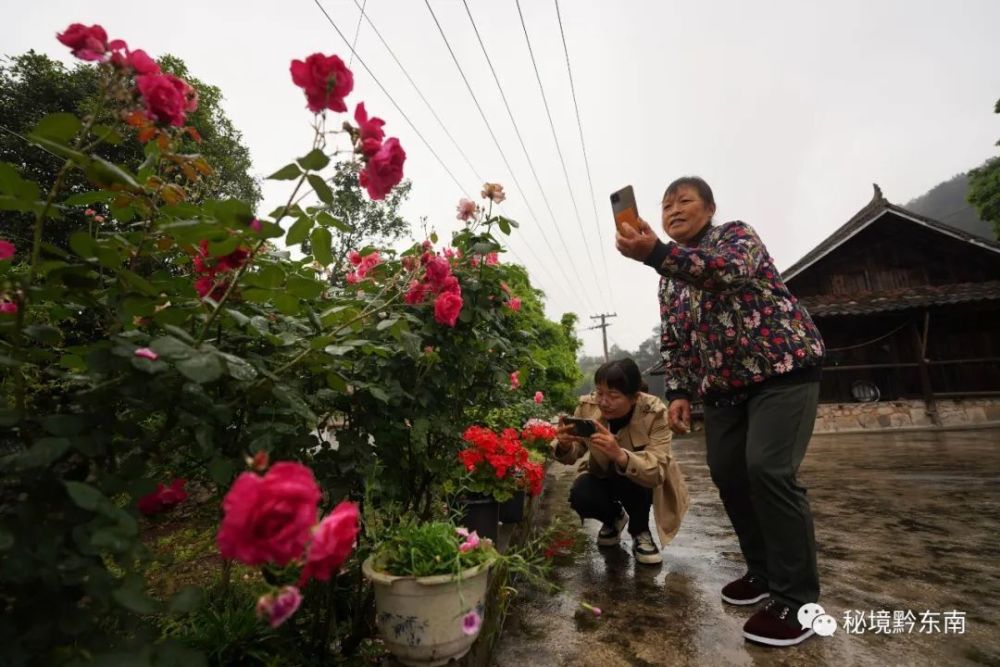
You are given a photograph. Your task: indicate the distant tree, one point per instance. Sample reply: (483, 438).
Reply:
(984, 189)
(33, 85)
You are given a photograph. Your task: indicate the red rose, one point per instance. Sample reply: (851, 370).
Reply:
(167, 98)
(370, 132)
(325, 80)
(268, 519)
(332, 542)
(384, 169)
(764, 331)
(86, 43)
(447, 307)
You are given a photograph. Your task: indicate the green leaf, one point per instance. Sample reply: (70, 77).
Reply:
(82, 244)
(106, 134)
(186, 600)
(107, 174)
(268, 276)
(59, 149)
(287, 304)
(239, 369)
(385, 324)
(59, 127)
(503, 225)
(43, 453)
(224, 247)
(320, 240)
(6, 539)
(44, 334)
(315, 160)
(321, 189)
(237, 316)
(134, 598)
(171, 349)
(88, 198)
(336, 382)
(85, 496)
(305, 288)
(179, 333)
(64, 425)
(287, 173)
(328, 220)
(295, 402)
(203, 367)
(299, 231)
(221, 471)
(257, 295)
(508, 221)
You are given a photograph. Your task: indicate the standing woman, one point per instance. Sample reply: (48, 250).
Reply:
(733, 333)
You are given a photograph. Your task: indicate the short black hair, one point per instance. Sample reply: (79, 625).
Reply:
(621, 374)
(700, 186)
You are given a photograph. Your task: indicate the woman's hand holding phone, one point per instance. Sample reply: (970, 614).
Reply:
(606, 443)
(565, 437)
(636, 242)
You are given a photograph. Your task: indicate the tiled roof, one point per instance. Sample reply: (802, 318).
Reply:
(863, 303)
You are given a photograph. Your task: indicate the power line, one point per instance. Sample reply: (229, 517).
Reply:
(416, 88)
(555, 138)
(510, 114)
(590, 180)
(333, 24)
(386, 92)
(420, 93)
(357, 31)
(496, 142)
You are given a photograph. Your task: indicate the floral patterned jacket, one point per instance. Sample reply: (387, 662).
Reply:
(727, 320)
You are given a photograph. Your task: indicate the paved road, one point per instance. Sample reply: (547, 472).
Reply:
(904, 522)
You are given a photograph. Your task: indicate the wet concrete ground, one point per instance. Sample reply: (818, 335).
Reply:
(903, 522)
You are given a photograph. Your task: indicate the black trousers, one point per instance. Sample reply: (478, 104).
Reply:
(754, 452)
(593, 497)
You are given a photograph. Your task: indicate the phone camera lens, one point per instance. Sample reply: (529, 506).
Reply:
(615, 198)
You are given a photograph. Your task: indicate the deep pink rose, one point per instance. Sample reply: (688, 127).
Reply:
(325, 80)
(514, 304)
(417, 293)
(268, 519)
(539, 397)
(8, 308)
(369, 129)
(146, 353)
(332, 542)
(278, 608)
(163, 498)
(167, 98)
(140, 61)
(437, 271)
(384, 169)
(7, 250)
(86, 43)
(447, 307)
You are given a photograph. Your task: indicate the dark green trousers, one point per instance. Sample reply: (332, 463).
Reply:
(754, 452)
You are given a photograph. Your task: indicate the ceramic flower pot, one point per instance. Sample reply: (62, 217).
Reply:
(428, 620)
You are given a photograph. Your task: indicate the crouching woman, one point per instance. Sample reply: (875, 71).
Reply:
(627, 464)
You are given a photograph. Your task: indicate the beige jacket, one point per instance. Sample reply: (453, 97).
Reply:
(650, 460)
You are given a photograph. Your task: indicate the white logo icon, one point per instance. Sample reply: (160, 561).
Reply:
(813, 616)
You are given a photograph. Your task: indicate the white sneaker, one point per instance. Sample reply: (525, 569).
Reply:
(645, 550)
(610, 533)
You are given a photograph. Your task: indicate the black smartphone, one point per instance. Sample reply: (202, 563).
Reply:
(581, 427)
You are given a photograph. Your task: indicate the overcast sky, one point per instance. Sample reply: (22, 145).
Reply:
(790, 109)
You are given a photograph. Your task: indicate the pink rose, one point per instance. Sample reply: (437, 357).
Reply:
(279, 608)
(437, 270)
(384, 169)
(447, 307)
(466, 209)
(8, 308)
(268, 519)
(86, 43)
(354, 257)
(492, 259)
(514, 304)
(515, 379)
(332, 542)
(325, 80)
(146, 353)
(416, 294)
(494, 192)
(539, 397)
(471, 542)
(370, 132)
(7, 250)
(167, 98)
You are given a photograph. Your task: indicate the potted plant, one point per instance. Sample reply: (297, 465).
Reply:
(497, 466)
(430, 584)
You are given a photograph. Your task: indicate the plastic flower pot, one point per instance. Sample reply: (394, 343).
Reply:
(481, 514)
(420, 619)
(512, 511)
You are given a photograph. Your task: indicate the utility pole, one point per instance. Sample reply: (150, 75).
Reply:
(603, 326)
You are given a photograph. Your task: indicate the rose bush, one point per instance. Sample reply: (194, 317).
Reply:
(180, 340)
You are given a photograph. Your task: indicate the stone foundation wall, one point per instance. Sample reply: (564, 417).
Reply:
(833, 417)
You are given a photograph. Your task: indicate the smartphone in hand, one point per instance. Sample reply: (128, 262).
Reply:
(583, 428)
(624, 207)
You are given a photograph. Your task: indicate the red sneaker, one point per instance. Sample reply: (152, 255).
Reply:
(748, 589)
(776, 625)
